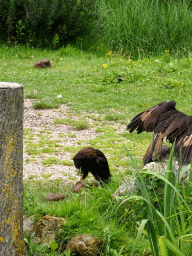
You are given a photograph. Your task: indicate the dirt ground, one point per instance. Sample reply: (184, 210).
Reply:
(43, 120)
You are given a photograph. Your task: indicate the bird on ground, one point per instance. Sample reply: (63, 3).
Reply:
(92, 160)
(166, 122)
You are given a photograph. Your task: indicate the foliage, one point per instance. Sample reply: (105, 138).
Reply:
(169, 229)
(135, 28)
(47, 249)
(48, 23)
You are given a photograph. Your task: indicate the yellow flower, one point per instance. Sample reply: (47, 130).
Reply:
(105, 66)
(170, 70)
(61, 59)
(101, 44)
(109, 53)
(130, 66)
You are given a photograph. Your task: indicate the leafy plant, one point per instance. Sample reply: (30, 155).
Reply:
(56, 41)
(47, 22)
(168, 229)
(19, 30)
(32, 248)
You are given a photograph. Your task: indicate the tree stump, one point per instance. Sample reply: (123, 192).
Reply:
(11, 170)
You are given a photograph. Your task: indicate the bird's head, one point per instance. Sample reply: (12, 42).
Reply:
(77, 163)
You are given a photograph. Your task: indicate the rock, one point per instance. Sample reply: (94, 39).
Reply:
(128, 186)
(27, 225)
(42, 64)
(85, 245)
(45, 229)
(55, 197)
(161, 167)
(78, 186)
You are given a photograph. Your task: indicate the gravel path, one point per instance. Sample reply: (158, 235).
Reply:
(38, 120)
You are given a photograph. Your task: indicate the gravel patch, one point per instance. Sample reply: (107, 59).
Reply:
(38, 120)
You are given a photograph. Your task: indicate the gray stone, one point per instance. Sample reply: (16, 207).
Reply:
(27, 226)
(128, 186)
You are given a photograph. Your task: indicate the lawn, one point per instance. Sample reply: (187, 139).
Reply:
(90, 87)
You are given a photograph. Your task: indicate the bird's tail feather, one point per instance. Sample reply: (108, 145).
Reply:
(148, 155)
(155, 149)
(186, 149)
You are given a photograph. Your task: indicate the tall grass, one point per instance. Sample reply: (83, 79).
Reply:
(169, 230)
(146, 26)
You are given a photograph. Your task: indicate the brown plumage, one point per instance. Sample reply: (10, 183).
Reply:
(166, 122)
(92, 160)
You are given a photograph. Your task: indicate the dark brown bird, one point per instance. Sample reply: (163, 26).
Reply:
(166, 122)
(92, 160)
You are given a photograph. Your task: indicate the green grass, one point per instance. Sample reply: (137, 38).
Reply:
(78, 125)
(93, 93)
(168, 227)
(146, 28)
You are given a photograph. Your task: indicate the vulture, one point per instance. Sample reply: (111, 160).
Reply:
(92, 160)
(166, 122)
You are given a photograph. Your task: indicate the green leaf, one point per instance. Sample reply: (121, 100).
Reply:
(54, 245)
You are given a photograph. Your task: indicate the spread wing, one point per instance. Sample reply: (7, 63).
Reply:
(167, 122)
(148, 119)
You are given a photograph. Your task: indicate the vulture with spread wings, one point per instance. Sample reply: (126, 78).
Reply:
(166, 122)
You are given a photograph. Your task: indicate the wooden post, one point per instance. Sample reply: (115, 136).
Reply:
(11, 170)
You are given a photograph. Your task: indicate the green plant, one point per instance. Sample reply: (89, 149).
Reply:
(167, 229)
(131, 26)
(115, 253)
(20, 28)
(78, 77)
(45, 23)
(32, 248)
(55, 41)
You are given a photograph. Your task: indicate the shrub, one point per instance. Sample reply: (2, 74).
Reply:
(41, 22)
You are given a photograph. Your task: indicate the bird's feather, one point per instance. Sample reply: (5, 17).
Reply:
(166, 122)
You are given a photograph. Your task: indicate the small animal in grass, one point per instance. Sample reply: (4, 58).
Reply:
(166, 122)
(92, 160)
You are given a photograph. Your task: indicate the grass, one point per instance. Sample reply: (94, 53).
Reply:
(146, 28)
(78, 125)
(93, 93)
(169, 227)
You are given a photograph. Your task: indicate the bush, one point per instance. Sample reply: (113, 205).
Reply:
(48, 23)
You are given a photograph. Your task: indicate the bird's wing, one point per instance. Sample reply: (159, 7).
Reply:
(184, 143)
(148, 120)
(177, 127)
